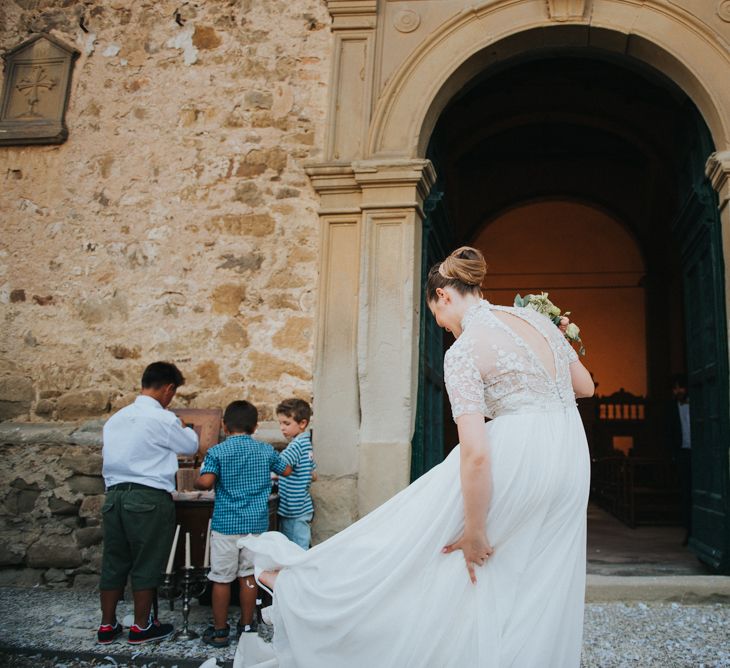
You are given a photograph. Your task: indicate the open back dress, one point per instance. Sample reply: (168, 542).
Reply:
(382, 593)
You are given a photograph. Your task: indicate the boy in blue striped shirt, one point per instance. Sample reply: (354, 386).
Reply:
(295, 503)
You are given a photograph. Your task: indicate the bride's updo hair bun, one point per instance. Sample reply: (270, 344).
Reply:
(465, 264)
(464, 270)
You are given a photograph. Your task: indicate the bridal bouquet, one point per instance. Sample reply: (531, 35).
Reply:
(542, 304)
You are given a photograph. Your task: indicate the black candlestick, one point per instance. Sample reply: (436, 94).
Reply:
(191, 583)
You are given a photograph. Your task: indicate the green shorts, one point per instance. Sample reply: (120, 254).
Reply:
(139, 523)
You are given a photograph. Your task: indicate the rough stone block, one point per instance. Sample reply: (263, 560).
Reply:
(70, 523)
(208, 374)
(233, 334)
(227, 298)
(89, 464)
(88, 536)
(75, 405)
(248, 193)
(92, 559)
(250, 224)
(266, 367)
(86, 484)
(241, 264)
(45, 407)
(60, 507)
(296, 334)
(20, 577)
(21, 501)
(91, 506)
(336, 502)
(11, 553)
(55, 552)
(256, 99)
(121, 352)
(16, 395)
(205, 38)
(86, 582)
(55, 576)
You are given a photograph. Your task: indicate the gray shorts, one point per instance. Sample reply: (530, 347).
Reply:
(227, 560)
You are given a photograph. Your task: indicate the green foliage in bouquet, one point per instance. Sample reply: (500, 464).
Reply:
(542, 304)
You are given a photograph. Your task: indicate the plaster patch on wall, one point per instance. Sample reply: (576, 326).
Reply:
(112, 50)
(184, 40)
(89, 43)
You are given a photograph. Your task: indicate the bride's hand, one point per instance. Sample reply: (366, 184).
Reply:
(563, 324)
(476, 549)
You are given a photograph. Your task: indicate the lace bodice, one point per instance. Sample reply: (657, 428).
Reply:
(491, 370)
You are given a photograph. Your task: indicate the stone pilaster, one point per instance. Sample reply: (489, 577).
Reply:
(390, 301)
(367, 344)
(353, 28)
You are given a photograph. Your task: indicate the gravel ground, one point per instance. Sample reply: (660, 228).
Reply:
(56, 629)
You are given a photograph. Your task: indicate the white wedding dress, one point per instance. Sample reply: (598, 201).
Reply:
(382, 594)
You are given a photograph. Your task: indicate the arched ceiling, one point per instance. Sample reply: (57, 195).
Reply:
(567, 126)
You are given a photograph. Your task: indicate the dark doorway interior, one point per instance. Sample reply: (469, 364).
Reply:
(586, 128)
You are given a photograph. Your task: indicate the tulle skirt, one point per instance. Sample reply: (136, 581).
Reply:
(382, 593)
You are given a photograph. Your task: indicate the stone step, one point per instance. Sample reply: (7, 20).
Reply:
(664, 588)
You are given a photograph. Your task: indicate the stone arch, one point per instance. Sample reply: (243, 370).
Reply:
(661, 36)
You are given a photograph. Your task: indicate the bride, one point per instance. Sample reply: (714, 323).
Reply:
(481, 561)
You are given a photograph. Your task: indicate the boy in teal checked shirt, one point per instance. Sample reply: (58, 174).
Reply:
(240, 471)
(295, 503)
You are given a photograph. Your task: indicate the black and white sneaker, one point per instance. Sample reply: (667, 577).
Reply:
(153, 633)
(108, 633)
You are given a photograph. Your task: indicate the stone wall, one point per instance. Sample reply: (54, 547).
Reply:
(177, 221)
(51, 494)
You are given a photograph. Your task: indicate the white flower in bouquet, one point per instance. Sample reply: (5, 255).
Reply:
(542, 304)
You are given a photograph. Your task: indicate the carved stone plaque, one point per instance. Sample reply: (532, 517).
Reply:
(35, 92)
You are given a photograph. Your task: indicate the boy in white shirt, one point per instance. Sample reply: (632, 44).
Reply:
(141, 445)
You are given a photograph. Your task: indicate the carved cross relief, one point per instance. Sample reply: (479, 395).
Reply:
(31, 86)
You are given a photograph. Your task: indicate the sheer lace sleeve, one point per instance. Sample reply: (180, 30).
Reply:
(463, 380)
(567, 349)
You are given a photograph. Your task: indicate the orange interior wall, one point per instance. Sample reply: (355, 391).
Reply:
(591, 265)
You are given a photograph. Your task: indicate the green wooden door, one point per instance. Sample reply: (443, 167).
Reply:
(698, 231)
(428, 439)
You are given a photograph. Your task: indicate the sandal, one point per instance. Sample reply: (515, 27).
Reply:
(211, 635)
(247, 628)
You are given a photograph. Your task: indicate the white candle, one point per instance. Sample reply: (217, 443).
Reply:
(206, 557)
(168, 570)
(187, 550)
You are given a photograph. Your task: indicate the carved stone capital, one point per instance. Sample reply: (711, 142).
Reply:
(717, 170)
(403, 183)
(566, 10)
(352, 14)
(366, 184)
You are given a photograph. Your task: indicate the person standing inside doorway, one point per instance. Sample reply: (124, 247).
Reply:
(141, 445)
(682, 445)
